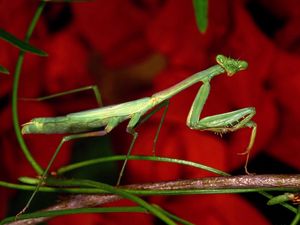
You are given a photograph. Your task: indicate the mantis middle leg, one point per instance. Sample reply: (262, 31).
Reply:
(164, 104)
(134, 122)
(221, 123)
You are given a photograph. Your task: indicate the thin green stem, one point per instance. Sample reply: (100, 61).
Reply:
(133, 190)
(17, 73)
(183, 162)
(296, 219)
(176, 218)
(54, 213)
(102, 188)
(78, 165)
(120, 192)
(51, 189)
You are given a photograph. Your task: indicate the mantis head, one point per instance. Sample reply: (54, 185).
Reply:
(231, 65)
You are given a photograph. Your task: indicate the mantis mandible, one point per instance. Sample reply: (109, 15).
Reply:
(88, 123)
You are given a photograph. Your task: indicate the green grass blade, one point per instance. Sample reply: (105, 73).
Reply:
(15, 89)
(137, 157)
(20, 44)
(201, 8)
(296, 219)
(51, 189)
(108, 189)
(174, 217)
(3, 70)
(118, 191)
(55, 213)
(170, 160)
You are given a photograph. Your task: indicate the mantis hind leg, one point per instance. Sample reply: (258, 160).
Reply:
(94, 88)
(63, 140)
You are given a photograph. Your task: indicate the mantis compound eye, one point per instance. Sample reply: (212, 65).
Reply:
(242, 65)
(221, 59)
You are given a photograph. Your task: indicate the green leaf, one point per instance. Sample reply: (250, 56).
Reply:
(3, 70)
(201, 8)
(20, 44)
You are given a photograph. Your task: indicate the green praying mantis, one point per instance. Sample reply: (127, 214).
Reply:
(101, 121)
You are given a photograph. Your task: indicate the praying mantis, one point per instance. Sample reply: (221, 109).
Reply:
(88, 123)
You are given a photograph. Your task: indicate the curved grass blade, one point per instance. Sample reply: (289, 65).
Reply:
(118, 191)
(17, 72)
(90, 162)
(174, 217)
(201, 8)
(3, 70)
(20, 44)
(70, 167)
(296, 219)
(55, 213)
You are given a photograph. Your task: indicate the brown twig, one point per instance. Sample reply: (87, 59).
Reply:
(259, 182)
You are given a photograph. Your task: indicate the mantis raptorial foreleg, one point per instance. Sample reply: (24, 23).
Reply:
(221, 123)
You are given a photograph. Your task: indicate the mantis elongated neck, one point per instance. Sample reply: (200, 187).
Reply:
(204, 75)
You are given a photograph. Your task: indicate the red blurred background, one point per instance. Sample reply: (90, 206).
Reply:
(134, 48)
